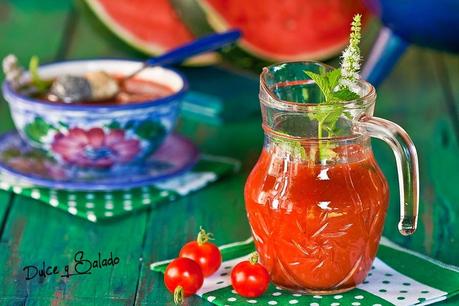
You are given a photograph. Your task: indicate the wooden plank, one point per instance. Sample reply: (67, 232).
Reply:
(448, 71)
(444, 163)
(30, 238)
(5, 205)
(444, 166)
(412, 97)
(203, 208)
(36, 232)
(219, 208)
(83, 35)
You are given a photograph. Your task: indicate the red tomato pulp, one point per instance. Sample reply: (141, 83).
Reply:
(316, 227)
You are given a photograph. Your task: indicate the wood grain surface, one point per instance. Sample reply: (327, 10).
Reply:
(421, 95)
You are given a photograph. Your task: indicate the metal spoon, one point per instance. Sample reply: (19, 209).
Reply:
(71, 89)
(200, 45)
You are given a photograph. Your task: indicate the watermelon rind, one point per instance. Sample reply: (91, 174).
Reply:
(201, 18)
(195, 18)
(219, 24)
(149, 48)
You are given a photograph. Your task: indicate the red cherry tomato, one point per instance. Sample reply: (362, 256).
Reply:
(203, 252)
(183, 277)
(249, 278)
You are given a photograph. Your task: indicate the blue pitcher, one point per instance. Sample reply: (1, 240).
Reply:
(429, 23)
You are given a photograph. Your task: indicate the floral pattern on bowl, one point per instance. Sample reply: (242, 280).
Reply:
(94, 147)
(97, 146)
(98, 136)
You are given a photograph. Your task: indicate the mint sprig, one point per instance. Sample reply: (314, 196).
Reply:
(337, 85)
(326, 82)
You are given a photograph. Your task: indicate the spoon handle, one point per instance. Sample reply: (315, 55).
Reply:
(201, 45)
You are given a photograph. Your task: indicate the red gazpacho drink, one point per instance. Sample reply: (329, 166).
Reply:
(316, 200)
(316, 226)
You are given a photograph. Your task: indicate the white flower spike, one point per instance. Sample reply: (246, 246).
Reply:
(350, 64)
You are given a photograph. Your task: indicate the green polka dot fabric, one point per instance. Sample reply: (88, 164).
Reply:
(398, 277)
(99, 205)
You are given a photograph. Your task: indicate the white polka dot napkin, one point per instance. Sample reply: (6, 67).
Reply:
(398, 277)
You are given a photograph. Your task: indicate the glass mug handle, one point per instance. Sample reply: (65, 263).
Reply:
(407, 167)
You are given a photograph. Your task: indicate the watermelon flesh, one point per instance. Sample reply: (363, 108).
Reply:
(289, 29)
(152, 26)
(151, 23)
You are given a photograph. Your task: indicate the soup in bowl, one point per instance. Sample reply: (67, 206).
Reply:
(124, 129)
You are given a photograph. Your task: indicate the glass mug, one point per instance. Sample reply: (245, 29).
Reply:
(316, 200)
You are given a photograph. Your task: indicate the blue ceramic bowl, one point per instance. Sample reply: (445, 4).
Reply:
(98, 136)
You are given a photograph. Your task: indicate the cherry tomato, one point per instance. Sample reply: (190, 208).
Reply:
(249, 278)
(205, 253)
(183, 277)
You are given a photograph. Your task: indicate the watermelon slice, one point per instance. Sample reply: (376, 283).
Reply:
(285, 30)
(151, 26)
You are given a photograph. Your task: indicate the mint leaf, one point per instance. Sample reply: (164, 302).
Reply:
(319, 115)
(348, 115)
(328, 116)
(333, 78)
(321, 81)
(326, 151)
(326, 82)
(329, 122)
(345, 95)
(295, 148)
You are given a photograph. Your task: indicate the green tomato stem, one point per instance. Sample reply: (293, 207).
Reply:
(254, 258)
(179, 295)
(203, 236)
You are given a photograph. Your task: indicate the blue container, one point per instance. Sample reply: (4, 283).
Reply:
(428, 23)
(98, 136)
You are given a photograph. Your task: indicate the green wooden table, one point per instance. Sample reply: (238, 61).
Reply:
(422, 95)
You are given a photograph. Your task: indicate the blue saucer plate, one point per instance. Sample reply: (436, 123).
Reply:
(22, 164)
